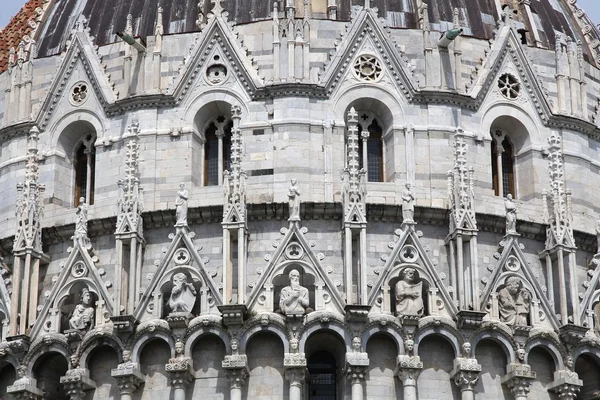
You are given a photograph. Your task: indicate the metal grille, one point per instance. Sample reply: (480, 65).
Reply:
(507, 169)
(375, 159)
(212, 162)
(322, 383)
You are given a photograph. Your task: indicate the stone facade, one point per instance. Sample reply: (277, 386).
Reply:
(302, 206)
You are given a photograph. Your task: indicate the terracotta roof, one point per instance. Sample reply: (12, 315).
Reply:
(15, 30)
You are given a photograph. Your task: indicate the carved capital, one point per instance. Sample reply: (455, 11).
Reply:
(25, 388)
(408, 369)
(356, 373)
(295, 375)
(566, 384)
(237, 377)
(128, 377)
(76, 382)
(465, 373)
(518, 379)
(293, 360)
(180, 372)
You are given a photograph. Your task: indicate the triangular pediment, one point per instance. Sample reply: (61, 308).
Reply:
(508, 55)
(80, 63)
(366, 35)
(181, 256)
(355, 214)
(294, 251)
(233, 214)
(409, 252)
(512, 263)
(79, 272)
(216, 48)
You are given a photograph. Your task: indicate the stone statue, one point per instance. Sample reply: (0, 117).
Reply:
(235, 346)
(226, 187)
(81, 228)
(597, 313)
(466, 348)
(598, 236)
(183, 295)
(293, 299)
(294, 201)
(514, 302)
(83, 315)
(181, 207)
(408, 204)
(409, 346)
(356, 344)
(511, 214)
(180, 359)
(521, 355)
(409, 294)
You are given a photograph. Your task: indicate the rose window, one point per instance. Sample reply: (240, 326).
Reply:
(216, 74)
(509, 86)
(367, 68)
(79, 94)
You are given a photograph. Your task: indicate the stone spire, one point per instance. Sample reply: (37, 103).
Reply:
(30, 206)
(354, 190)
(557, 203)
(460, 187)
(130, 202)
(234, 180)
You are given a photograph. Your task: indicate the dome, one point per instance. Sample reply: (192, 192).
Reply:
(477, 17)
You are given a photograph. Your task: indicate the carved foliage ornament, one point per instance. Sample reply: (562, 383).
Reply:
(368, 68)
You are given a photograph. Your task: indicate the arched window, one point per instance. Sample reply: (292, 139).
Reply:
(371, 147)
(85, 171)
(322, 376)
(217, 150)
(503, 165)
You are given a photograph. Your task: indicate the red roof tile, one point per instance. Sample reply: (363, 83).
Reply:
(16, 29)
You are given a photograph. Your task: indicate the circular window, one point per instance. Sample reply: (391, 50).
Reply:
(216, 74)
(509, 86)
(367, 68)
(79, 93)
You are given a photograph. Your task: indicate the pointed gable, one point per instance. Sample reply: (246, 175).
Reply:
(409, 252)
(512, 263)
(366, 34)
(181, 256)
(294, 252)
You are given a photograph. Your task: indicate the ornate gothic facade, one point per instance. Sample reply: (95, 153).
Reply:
(294, 199)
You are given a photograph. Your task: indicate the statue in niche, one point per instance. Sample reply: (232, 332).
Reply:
(293, 299)
(81, 228)
(183, 295)
(511, 214)
(597, 314)
(83, 315)
(409, 294)
(598, 236)
(514, 302)
(408, 204)
(294, 201)
(181, 207)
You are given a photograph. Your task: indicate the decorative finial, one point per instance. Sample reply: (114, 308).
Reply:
(159, 31)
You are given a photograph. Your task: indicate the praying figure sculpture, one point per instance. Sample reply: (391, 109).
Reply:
(408, 204)
(181, 207)
(409, 294)
(514, 302)
(183, 295)
(83, 314)
(511, 215)
(294, 201)
(293, 299)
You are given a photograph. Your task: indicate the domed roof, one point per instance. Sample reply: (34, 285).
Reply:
(106, 17)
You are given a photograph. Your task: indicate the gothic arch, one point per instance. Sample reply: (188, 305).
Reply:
(199, 107)
(75, 118)
(379, 100)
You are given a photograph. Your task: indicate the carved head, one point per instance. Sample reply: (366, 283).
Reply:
(407, 185)
(509, 196)
(294, 277)
(570, 362)
(466, 349)
(81, 201)
(86, 297)
(409, 345)
(179, 347)
(181, 185)
(356, 343)
(126, 355)
(294, 181)
(513, 285)
(179, 278)
(294, 343)
(408, 275)
(234, 346)
(74, 361)
(521, 355)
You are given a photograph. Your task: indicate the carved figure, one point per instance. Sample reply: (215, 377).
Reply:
(597, 312)
(183, 295)
(409, 294)
(409, 346)
(293, 299)
(235, 346)
(356, 344)
(521, 355)
(514, 302)
(598, 235)
(179, 358)
(511, 214)
(181, 207)
(466, 347)
(81, 228)
(408, 204)
(294, 201)
(83, 315)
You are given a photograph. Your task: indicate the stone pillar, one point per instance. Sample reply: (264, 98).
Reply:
(566, 384)
(518, 379)
(295, 373)
(128, 377)
(408, 369)
(356, 371)
(465, 375)
(76, 382)
(180, 372)
(236, 366)
(25, 388)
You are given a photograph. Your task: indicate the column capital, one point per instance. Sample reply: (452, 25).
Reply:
(408, 369)
(356, 373)
(465, 373)
(180, 372)
(518, 379)
(128, 377)
(237, 377)
(295, 375)
(76, 382)
(566, 384)
(25, 388)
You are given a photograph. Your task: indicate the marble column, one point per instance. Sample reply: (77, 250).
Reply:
(518, 380)
(408, 369)
(295, 373)
(180, 373)
(76, 382)
(236, 366)
(465, 375)
(566, 384)
(128, 377)
(356, 371)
